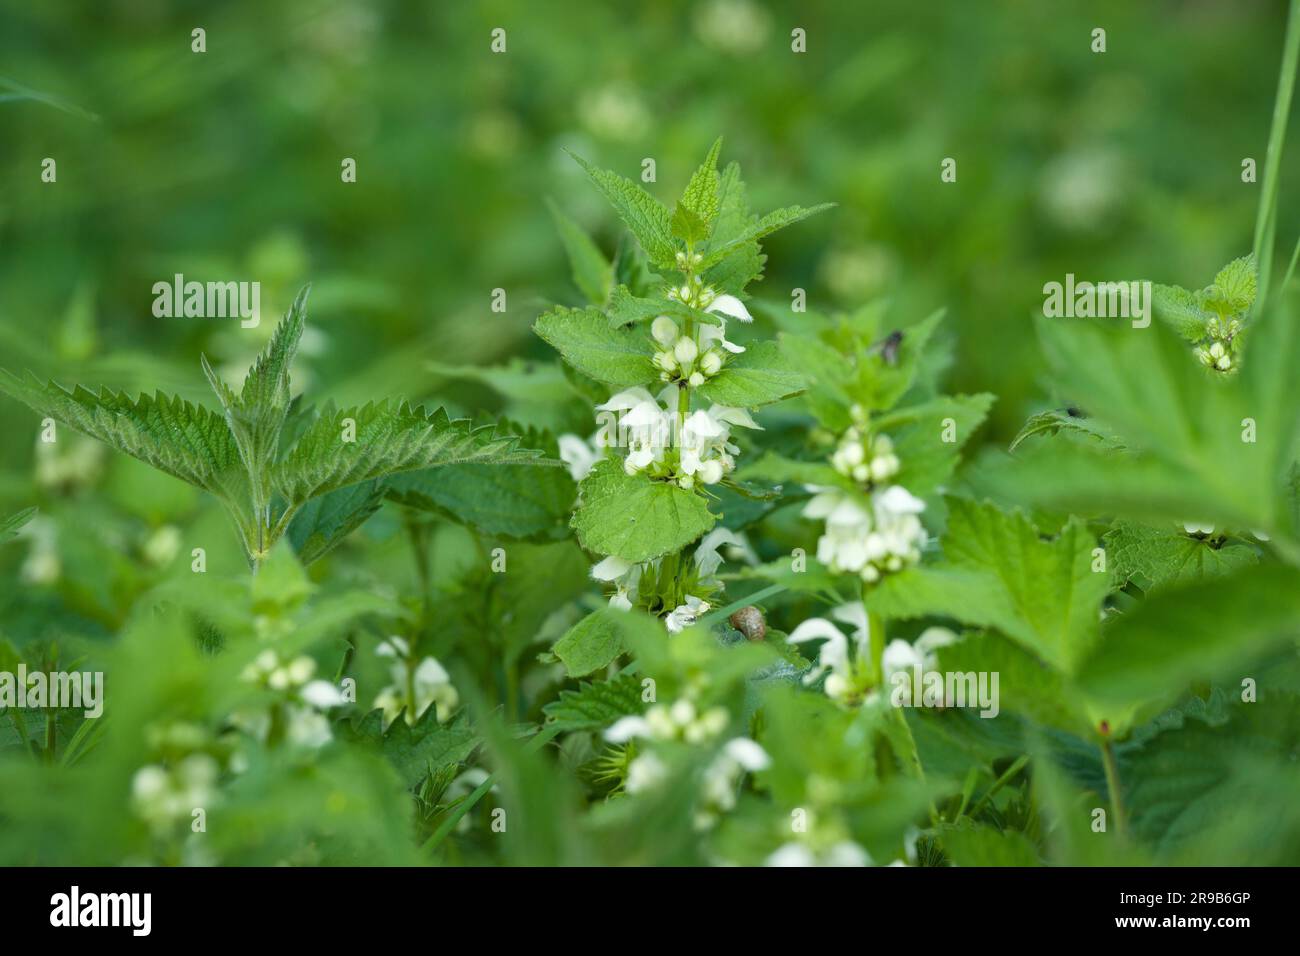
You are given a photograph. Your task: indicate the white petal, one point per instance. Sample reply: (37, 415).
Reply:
(897, 500)
(626, 728)
(748, 754)
(611, 569)
(624, 400)
(322, 694)
(734, 416)
(729, 305)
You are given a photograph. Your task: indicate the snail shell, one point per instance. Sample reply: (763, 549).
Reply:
(750, 622)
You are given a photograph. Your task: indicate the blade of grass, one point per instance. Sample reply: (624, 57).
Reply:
(1266, 216)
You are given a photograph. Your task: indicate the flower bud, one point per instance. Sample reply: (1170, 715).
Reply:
(696, 380)
(711, 472)
(665, 361)
(686, 350)
(711, 363)
(664, 331)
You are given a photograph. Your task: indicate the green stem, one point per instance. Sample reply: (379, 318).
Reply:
(1266, 216)
(1111, 766)
(998, 784)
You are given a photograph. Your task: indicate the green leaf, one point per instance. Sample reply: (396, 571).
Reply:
(600, 637)
(593, 274)
(419, 750)
(258, 414)
(777, 219)
(982, 845)
(1000, 573)
(688, 226)
(634, 517)
(1234, 287)
(1179, 309)
(184, 440)
(594, 706)
(530, 501)
(10, 526)
(1154, 558)
(389, 438)
(701, 195)
(619, 357)
(645, 216)
(758, 376)
(1062, 420)
(929, 444)
(628, 309)
(1184, 634)
(322, 523)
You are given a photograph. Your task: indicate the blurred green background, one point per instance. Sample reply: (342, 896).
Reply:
(225, 166)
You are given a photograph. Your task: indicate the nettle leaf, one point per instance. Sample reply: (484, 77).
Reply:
(617, 357)
(389, 438)
(634, 517)
(978, 844)
(322, 523)
(184, 440)
(884, 377)
(599, 638)
(257, 415)
(1154, 558)
(1181, 310)
(929, 439)
(758, 376)
(782, 470)
(594, 706)
(1055, 421)
(701, 195)
(1234, 288)
(10, 526)
(1000, 573)
(777, 219)
(644, 215)
(528, 501)
(418, 750)
(1184, 634)
(628, 309)
(688, 226)
(593, 274)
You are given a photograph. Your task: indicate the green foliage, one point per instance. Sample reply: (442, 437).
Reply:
(635, 519)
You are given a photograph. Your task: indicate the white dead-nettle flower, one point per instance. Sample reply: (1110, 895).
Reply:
(580, 455)
(680, 720)
(901, 657)
(843, 853)
(869, 461)
(304, 700)
(704, 451)
(692, 359)
(429, 682)
(867, 540)
(161, 797)
(739, 756)
(626, 577)
(847, 669)
(645, 772)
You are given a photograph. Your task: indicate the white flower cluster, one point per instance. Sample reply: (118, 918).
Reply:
(306, 701)
(626, 577)
(696, 359)
(1218, 354)
(902, 657)
(684, 723)
(703, 449)
(867, 460)
(868, 540)
(429, 682)
(162, 797)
